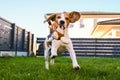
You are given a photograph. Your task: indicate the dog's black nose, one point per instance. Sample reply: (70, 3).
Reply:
(62, 22)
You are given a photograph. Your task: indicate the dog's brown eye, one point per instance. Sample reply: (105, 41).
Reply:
(58, 17)
(66, 18)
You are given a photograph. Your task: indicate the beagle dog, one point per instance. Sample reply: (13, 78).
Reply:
(59, 37)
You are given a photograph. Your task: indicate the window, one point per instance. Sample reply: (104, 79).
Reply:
(71, 26)
(81, 23)
(95, 22)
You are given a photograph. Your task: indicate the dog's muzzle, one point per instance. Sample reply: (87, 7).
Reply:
(62, 24)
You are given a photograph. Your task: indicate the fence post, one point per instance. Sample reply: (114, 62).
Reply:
(95, 45)
(16, 42)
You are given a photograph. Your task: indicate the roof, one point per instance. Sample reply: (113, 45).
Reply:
(100, 13)
(94, 13)
(110, 22)
(105, 26)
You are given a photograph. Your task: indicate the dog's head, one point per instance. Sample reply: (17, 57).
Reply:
(63, 19)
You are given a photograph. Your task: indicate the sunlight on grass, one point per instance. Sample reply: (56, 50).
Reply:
(32, 68)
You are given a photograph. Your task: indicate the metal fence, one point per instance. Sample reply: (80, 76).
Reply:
(15, 38)
(104, 47)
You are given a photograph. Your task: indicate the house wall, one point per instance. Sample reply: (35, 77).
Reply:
(113, 33)
(84, 27)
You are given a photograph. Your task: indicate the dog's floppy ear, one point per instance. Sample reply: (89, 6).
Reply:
(51, 17)
(74, 16)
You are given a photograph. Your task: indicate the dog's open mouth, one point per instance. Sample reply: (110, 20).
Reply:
(62, 27)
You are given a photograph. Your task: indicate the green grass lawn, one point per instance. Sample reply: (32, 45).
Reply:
(32, 68)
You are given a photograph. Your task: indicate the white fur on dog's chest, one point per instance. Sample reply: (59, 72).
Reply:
(65, 40)
(61, 45)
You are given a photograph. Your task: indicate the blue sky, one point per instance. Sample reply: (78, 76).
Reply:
(29, 14)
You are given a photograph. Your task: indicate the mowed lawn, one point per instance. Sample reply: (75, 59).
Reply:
(32, 68)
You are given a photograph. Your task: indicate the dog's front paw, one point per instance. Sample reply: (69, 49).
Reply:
(76, 67)
(53, 56)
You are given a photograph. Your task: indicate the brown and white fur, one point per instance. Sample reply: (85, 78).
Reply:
(63, 42)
